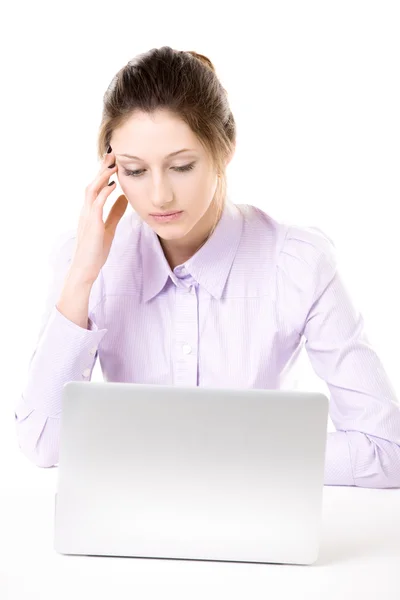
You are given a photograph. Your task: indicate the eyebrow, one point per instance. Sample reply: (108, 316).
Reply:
(168, 155)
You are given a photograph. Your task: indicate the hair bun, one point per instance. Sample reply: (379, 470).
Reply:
(206, 61)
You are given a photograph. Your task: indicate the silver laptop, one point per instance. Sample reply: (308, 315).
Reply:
(190, 472)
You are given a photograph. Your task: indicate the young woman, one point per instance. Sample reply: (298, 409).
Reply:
(191, 289)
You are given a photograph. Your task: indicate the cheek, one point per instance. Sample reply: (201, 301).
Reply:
(130, 191)
(122, 183)
(196, 184)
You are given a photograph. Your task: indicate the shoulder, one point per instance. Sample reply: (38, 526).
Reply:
(255, 219)
(272, 253)
(306, 264)
(306, 255)
(296, 261)
(261, 234)
(295, 249)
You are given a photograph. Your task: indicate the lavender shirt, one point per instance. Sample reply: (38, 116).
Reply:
(234, 315)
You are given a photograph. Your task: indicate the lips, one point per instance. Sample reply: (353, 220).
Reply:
(167, 214)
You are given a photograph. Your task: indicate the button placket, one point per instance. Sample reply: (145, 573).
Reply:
(186, 338)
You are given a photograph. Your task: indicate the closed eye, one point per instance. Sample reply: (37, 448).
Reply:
(138, 173)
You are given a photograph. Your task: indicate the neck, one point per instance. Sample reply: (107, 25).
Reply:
(178, 251)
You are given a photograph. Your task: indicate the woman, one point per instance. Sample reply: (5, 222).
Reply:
(207, 293)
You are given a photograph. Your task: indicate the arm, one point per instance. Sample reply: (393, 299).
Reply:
(65, 351)
(365, 449)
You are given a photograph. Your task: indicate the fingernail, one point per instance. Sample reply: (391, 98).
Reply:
(111, 166)
(111, 183)
(109, 149)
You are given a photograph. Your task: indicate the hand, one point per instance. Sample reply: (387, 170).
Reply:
(94, 237)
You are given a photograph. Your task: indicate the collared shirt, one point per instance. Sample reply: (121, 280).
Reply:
(235, 315)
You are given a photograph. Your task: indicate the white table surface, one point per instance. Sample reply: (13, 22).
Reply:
(359, 554)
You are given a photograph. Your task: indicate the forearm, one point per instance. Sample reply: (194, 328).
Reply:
(74, 300)
(65, 352)
(354, 458)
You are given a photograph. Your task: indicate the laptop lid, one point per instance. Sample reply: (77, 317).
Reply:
(190, 472)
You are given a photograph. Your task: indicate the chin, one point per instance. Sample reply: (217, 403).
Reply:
(170, 233)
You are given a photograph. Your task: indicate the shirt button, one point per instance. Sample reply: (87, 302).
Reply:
(187, 349)
(93, 350)
(86, 373)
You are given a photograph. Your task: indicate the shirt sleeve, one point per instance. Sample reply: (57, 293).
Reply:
(365, 449)
(64, 352)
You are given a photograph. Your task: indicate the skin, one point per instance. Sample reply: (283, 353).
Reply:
(159, 187)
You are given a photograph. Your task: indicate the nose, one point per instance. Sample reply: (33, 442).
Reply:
(161, 194)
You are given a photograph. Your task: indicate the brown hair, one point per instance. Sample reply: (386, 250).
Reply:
(184, 83)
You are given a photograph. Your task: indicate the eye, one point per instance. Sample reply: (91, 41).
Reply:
(182, 169)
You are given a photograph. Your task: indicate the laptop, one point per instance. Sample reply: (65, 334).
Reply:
(157, 471)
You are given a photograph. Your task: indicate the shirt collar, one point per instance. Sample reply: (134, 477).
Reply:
(209, 266)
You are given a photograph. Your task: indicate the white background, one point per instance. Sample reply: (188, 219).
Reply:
(314, 88)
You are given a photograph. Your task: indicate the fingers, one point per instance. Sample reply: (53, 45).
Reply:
(101, 181)
(99, 202)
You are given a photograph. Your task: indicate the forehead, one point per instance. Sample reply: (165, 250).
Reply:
(154, 135)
